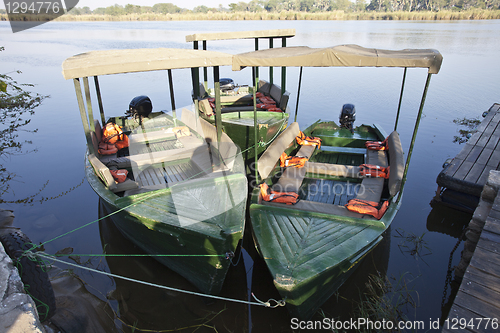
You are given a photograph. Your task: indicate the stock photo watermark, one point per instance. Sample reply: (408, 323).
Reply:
(26, 14)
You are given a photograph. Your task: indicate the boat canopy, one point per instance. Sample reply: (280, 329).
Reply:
(97, 63)
(276, 33)
(342, 55)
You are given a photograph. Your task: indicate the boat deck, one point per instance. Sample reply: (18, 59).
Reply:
(469, 170)
(168, 174)
(336, 192)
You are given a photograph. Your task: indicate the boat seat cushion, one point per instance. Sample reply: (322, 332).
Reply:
(205, 108)
(264, 87)
(98, 130)
(395, 152)
(275, 93)
(376, 157)
(371, 189)
(292, 177)
(104, 174)
(335, 170)
(272, 154)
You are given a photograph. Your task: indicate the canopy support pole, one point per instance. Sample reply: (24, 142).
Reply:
(271, 69)
(400, 98)
(99, 100)
(414, 136)
(196, 90)
(298, 94)
(256, 145)
(205, 69)
(171, 88)
(256, 69)
(89, 104)
(218, 119)
(283, 69)
(83, 114)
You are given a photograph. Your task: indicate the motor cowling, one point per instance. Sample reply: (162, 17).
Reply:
(140, 106)
(347, 117)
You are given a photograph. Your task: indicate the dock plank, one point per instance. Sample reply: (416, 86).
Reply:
(463, 171)
(475, 173)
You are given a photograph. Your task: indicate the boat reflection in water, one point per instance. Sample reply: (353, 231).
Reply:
(147, 307)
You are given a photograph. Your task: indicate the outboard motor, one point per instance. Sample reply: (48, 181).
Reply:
(140, 107)
(226, 84)
(347, 117)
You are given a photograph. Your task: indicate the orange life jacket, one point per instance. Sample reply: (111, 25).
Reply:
(372, 208)
(377, 145)
(289, 198)
(112, 133)
(292, 161)
(119, 175)
(107, 149)
(304, 140)
(370, 170)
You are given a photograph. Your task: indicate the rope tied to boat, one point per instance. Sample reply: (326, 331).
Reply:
(259, 302)
(268, 303)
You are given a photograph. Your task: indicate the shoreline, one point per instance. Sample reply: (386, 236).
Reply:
(475, 14)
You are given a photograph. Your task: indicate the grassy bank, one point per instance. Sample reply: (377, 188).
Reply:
(476, 14)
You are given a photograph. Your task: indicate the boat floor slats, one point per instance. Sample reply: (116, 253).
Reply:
(168, 174)
(469, 170)
(338, 158)
(327, 191)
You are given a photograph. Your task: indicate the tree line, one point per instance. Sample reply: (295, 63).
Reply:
(311, 6)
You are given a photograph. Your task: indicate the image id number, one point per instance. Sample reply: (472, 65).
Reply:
(472, 324)
(32, 7)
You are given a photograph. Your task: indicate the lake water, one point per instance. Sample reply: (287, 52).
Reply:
(466, 86)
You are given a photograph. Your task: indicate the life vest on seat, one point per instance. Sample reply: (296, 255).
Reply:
(375, 209)
(112, 135)
(304, 140)
(107, 149)
(292, 161)
(289, 198)
(119, 175)
(370, 170)
(377, 145)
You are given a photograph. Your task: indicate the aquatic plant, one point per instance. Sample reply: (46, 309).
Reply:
(386, 299)
(465, 133)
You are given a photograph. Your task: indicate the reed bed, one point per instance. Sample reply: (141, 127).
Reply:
(474, 14)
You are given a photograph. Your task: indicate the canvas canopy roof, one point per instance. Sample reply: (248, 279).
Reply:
(96, 63)
(342, 55)
(276, 33)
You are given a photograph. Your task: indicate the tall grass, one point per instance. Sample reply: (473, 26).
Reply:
(473, 14)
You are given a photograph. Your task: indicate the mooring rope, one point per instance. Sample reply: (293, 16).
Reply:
(268, 304)
(271, 303)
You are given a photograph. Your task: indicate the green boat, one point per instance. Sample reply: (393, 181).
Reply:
(184, 196)
(237, 102)
(312, 245)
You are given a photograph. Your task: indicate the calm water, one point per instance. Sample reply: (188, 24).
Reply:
(466, 86)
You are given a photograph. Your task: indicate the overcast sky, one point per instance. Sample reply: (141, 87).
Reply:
(189, 4)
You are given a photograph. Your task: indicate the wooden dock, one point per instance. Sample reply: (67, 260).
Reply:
(469, 170)
(476, 307)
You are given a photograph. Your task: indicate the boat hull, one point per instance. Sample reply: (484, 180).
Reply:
(310, 251)
(199, 250)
